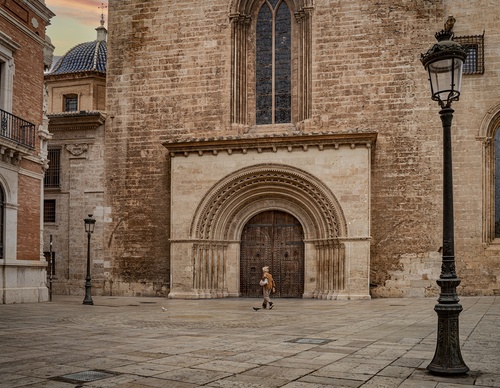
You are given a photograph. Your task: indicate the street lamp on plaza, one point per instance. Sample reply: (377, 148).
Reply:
(443, 62)
(89, 229)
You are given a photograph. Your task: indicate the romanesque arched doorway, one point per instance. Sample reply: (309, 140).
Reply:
(274, 238)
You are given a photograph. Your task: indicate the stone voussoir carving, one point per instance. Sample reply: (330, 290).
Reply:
(288, 183)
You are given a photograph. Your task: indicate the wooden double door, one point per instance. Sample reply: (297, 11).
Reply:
(276, 239)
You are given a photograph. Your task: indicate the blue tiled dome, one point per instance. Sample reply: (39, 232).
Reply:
(90, 56)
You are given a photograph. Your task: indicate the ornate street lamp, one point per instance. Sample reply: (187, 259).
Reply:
(89, 229)
(444, 62)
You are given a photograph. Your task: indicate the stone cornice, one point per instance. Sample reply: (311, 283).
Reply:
(269, 143)
(40, 9)
(93, 74)
(76, 120)
(12, 152)
(22, 27)
(9, 42)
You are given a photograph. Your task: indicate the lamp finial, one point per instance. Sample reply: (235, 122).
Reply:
(446, 33)
(448, 26)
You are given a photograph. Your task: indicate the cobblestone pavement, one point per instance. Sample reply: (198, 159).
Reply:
(134, 342)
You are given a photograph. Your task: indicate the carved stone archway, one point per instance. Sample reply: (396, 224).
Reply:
(218, 185)
(220, 219)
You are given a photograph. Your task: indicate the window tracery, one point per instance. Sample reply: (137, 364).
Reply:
(271, 61)
(489, 134)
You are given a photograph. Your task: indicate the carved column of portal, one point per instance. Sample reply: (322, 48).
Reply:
(209, 277)
(330, 269)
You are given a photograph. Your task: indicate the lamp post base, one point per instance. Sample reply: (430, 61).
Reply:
(88, 295)
(448, 358)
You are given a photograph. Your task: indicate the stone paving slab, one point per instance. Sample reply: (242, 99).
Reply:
(301, 343)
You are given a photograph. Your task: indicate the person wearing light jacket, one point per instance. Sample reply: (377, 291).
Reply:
(267, 284)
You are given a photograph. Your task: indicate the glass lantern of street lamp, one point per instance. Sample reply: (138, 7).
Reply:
(89, 224)
(443, 62)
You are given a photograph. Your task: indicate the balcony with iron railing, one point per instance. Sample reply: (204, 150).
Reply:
(17, 130)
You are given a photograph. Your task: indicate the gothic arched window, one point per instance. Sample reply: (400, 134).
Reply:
(271, 61)
(489, 134)
(496, 151)
(2, 221)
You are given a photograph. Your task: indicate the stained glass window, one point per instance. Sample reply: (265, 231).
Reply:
(497, 182)
(273, 63)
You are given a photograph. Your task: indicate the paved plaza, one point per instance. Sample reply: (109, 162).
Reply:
(156, 342)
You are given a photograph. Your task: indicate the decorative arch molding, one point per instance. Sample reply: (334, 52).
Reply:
(220, 218)
(244, 7)
(487, 130)
(248, 191)
(4, 186)
(242, 14)
(489, 124)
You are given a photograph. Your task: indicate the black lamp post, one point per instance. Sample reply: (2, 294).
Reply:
(89, 229)
(444, 62)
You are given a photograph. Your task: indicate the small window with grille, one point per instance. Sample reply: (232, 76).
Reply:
(49, 210)
(70, 103)
(53, 173)
(474, 46)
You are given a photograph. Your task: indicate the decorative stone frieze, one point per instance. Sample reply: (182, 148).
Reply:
(77, 149)
(76, 120)
(269, 142)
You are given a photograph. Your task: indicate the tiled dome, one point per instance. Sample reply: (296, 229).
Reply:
(89, 56)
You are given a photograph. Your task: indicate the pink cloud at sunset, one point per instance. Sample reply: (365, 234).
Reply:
(75, 22)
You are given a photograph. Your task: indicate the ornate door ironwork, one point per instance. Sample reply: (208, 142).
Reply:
(272, 238)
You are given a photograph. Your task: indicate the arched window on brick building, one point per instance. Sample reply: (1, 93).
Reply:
(496, 147)
(489, 135)
(271, 62)
(2, 221)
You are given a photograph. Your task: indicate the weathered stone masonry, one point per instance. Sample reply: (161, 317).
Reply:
(170, 76)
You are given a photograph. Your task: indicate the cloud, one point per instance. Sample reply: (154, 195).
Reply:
(74, 23)
(86, 12)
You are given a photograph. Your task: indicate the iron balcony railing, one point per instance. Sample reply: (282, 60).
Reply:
(16, 129)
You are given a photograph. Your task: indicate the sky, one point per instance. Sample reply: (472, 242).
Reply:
(75, 22)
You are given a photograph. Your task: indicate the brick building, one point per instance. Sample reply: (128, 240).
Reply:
(74, 182)
(298, 134)
(24, 54)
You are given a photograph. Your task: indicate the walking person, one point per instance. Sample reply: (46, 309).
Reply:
(267, 284)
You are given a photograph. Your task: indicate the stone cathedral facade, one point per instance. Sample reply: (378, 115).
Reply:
(298, 134)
